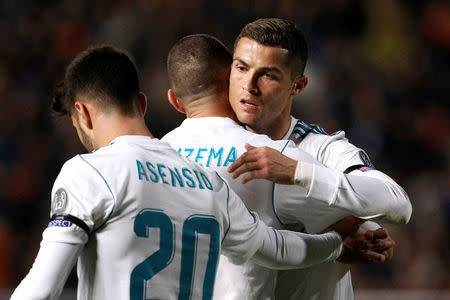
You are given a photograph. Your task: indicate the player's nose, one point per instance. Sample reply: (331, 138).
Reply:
(250, 84)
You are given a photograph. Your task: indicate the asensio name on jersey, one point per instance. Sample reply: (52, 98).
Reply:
(158, 172)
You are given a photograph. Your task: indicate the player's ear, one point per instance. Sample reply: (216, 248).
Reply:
(143, 102)
(299, 84)
(175, 102)
(84, 116)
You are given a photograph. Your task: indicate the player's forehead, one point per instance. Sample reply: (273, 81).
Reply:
(257, 55)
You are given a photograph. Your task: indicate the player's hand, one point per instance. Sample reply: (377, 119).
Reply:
(264, 163)
(361, 245)
(384, 243)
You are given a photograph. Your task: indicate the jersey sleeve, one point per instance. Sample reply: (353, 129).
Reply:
(335, 151)
(329, 195)
(325, 194)
(81, 202)
(49, 273)
(247, 237)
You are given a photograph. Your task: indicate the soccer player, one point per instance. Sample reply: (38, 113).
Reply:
(143, 221)
(198, 68)
(267, 72)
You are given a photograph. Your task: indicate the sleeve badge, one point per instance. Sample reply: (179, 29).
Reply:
(59, 202)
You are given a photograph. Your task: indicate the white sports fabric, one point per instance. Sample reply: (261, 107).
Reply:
(217, 142)
(333, 280)
(151, 225)
(334, 151)
(332, 196)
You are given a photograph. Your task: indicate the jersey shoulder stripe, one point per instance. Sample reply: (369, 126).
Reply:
(107, 185)
(301, 129)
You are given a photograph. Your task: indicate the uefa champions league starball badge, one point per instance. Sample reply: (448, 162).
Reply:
(59, 201)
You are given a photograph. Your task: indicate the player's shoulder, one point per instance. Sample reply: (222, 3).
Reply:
(333, 150)
(124, 146)
(78, 172)
(75, 165)
(312, 137)
(301, 130)
(171, 135)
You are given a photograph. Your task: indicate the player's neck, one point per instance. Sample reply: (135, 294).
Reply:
(111, 128)
(211, 106)
(276, 129)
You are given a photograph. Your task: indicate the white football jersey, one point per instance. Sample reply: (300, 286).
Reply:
(153, 224)
(347, 184)
(329, 280)
(334, 151)
(128, 196)
(215, 143)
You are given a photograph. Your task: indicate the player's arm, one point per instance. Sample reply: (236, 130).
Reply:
(49, 273)
(80, 202)
(378, 189)
(363, 194)
(247, 237)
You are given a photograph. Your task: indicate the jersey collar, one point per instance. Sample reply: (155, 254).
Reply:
(291, 127)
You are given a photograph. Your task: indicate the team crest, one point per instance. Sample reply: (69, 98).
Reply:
(59, 203)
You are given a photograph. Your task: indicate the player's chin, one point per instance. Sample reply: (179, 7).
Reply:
(247, 118)
(245, 113)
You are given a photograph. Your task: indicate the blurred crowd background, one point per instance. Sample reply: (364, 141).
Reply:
(378, 69)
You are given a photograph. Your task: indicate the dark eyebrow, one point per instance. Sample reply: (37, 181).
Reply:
(263, 69)
(241, 61)
(272, 70)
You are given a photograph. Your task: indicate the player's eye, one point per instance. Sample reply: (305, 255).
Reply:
(240, 68)
(269, 76)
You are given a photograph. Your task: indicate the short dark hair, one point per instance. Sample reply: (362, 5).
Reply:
(279, 33)
(107, 75)
(198, 65)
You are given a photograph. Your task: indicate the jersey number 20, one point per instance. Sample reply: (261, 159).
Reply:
(194, 225)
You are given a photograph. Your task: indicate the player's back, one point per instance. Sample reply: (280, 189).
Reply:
(216, 143)
(158, 221)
